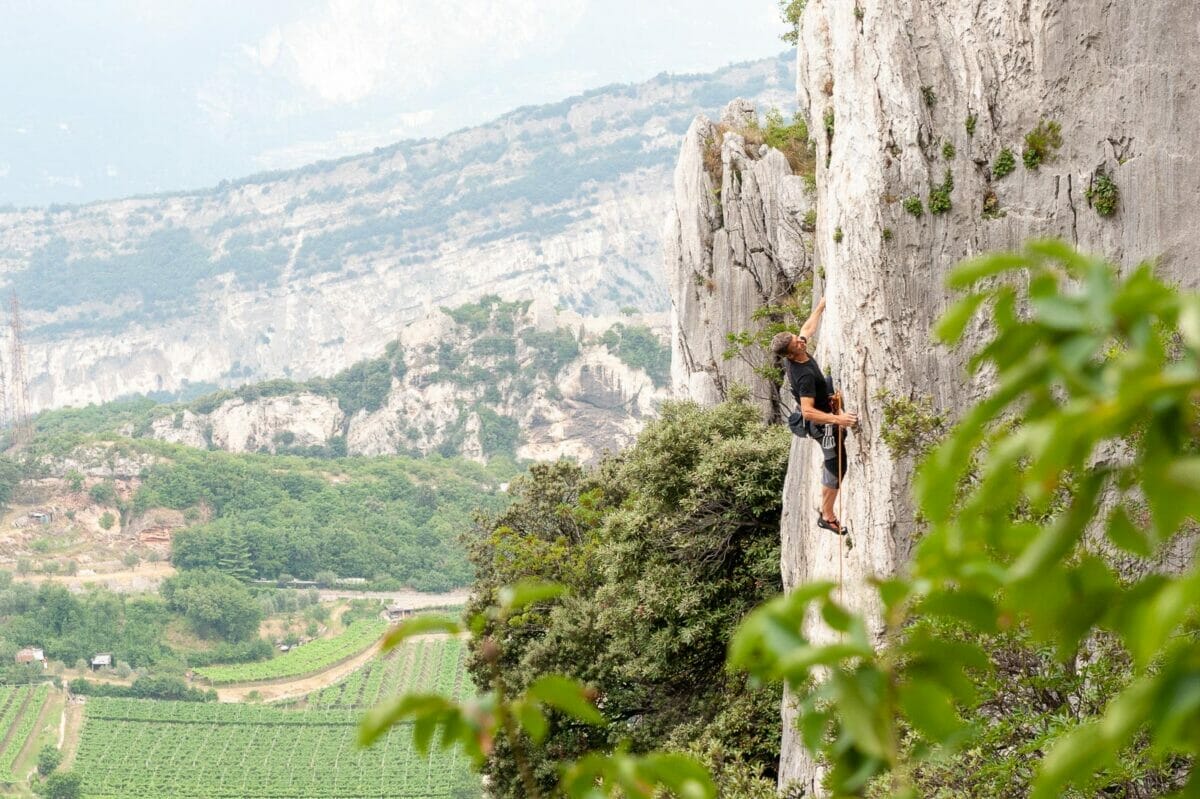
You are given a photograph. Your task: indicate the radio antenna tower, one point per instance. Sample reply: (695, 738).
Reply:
(22, 427)
(4, 415)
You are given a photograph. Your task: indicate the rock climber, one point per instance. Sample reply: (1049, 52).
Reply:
(819, 413)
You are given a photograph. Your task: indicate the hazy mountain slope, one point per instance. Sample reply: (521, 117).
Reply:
(301, 273)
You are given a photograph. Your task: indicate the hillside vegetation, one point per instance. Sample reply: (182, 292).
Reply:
(664, 548)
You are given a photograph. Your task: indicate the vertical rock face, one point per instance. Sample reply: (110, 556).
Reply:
(733, 245)
(895, 82)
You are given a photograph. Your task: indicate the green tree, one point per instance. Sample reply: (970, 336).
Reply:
(233, 557)
(664, 548)
(215, 604)
(1084, 457)
(791, 11)
(48, 759)
(62, 785)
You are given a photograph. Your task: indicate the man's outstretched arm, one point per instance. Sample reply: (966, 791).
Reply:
(809, 328)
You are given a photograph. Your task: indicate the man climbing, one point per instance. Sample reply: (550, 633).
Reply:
(820, 412)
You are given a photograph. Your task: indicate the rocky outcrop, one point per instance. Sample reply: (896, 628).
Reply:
(522, 379)
(911, 91)
(733, 244)
(239, 425)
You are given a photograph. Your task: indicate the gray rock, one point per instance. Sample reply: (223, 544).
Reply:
(1121, 81)
(733, 244)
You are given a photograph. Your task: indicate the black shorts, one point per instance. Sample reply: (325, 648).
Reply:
(830, 477)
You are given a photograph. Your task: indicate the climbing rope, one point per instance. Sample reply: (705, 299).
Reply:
(841, 433)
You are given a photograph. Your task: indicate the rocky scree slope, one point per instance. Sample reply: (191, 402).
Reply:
(301, 273)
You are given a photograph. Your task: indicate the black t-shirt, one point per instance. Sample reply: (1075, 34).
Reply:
(807, 380)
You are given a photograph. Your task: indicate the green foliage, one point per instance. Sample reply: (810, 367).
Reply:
(939, 196)
(489, 312)
(519, 722)
(639, 347)
(310, 658)
(791, 11)
(498, 435)
(152, 687)
(104, 493)
(11, 474)
(910, 427)
(948, 151)
(396, 516)
(791, 140)
(1041, 144)
(1029, 697)
(663, 548)
(838, 235)
(809, 223)
(551, 349)
(1103, 194)
(363, 386)
(216, 604)
(69, 626)
(1008, 508)
(61, 785)
(970, 124)
(48, 759)
(162, 273)
(928, 96)
(1004, 164)
(107, 520)
(250, 751)
(753, 346)
(887, 234)
(913, 205)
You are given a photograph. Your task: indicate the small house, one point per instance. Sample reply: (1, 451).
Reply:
(42, 516)
(102, 661)
(396, 612)
(31, 654)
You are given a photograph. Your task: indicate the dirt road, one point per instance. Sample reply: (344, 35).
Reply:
(144, 578)
(412, 600)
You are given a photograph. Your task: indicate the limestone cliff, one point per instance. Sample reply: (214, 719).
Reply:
(734, 243)
(913, 91)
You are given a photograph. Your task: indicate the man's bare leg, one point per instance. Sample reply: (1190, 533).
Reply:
(828, 497)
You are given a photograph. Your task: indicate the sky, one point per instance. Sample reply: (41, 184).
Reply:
(110, 98)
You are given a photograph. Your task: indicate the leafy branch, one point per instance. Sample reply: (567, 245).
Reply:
(476, 725)
(1112, 429)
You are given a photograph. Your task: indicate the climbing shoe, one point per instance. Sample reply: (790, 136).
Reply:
(833, 527)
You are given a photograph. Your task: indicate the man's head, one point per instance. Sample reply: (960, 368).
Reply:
(790, 346)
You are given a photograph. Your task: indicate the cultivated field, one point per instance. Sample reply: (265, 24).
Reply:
(20, 707)
(426, 665)
(135, 749)
(308, 659)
